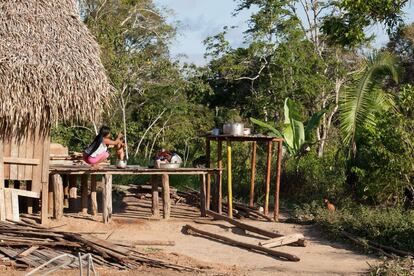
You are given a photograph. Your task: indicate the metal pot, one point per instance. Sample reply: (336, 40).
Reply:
(235, 129)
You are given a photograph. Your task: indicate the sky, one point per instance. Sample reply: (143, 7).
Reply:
(198, 19)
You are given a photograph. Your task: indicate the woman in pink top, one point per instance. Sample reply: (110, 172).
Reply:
(97, 152)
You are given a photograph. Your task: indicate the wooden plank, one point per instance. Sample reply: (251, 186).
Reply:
(154, 208)
(57, 196)
(24, 193)
(2, 205)
(15, 205)
(22, 161)
(8, 204)
(203, 195)
(277, 186)
(253, 173)
(229, 181)
(14, 152)
(37, 171)
(84, 193)
(29, 155)
(6, 151)
(248, 246)
(28, 251)
(1, 165)
(94, 201)
(166, 196)
(280, 241)
(268, 176)
(21, 169)
(44, 216)
(107, 198)
(73, 193)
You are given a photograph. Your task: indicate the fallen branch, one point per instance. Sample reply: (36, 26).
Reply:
(192, 230)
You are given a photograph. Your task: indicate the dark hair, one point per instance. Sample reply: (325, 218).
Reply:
(104, 131)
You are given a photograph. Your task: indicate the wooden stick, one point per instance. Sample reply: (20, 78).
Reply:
(277, 187)
(252, 211)
(94, 201)
(288, 239)
(244, 226)
(253, 174)
(143, 242)
(220, 176)
(208, 187)
(229, 181)
(361, 242)
(84, 193)
(155, 209)
(28, 251)
(268, 175)
(166, 196)
(191, 229)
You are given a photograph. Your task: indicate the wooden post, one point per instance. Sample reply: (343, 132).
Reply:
(253, 174)
(50, 198)
(29, 199)
(208, 165)
(73, 193)
(45, 178)
(268, 175)
(58, 196)
(229, 181)
(45, 203)
(107, 198)
(65, 179)
(166, 196)
(1, 165)
(84, 190)
(94, 202)
(220, 177)
(154, 184)
(203, 195)
(277, 188)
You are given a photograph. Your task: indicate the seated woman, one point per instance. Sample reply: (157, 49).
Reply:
(97, 151)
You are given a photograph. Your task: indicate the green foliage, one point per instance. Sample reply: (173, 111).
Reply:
(364, 97)
(386, 226)
(394, 267)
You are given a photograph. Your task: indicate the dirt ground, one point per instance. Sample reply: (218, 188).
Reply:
(320, 257)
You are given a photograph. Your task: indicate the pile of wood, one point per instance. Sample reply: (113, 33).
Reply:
(240, 210)
(264, 247)
(23, 245)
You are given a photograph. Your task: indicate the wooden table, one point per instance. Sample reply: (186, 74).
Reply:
(254, 139)
(70, 172)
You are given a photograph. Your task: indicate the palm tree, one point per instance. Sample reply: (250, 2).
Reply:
(365, 96)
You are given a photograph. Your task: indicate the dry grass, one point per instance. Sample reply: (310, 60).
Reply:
(50, 66)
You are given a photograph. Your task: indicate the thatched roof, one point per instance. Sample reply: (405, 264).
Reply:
(50, 67)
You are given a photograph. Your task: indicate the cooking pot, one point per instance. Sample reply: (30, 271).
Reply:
(235, 129)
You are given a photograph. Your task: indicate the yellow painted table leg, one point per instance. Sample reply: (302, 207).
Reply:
(229, 181)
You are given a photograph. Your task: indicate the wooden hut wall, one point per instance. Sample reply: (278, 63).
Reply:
(27, 159)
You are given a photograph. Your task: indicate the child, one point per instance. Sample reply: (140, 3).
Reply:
(97, 152)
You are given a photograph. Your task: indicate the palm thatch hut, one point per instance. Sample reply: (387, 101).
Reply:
(50, 70)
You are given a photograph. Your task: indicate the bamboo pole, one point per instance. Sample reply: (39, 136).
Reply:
(220, 176)
(268, 175)
(229, 181)
(277, 188)
(191, 229)
(253, 174)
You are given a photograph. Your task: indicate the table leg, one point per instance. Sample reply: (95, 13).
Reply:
(154, 184)
(277, 188)
(229, 181)
(58, 196)
(84, 192)
(166, 196)
(107, 198)
(94, 201)
(203, 195)
(208, 165)
(219, 177)
(268, 175)
(73, 193)
(253, 174)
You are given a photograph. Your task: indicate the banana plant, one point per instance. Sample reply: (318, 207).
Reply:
(296, 134)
